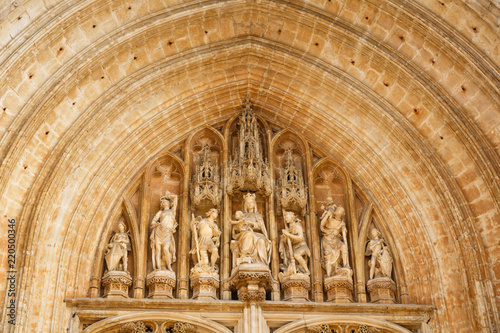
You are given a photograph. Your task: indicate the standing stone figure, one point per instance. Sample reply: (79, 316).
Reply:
(163, 228)
(293, 246)
(206, 238)
(381, 259)
(250, 243)
(117, 250)
(334, 242)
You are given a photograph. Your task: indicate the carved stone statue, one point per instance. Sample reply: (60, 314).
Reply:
(381, 287)
(334, 242)
(250, 242)
(117, 250)
(206, 238)
(293, 246)
(163, 227)
(381, 260)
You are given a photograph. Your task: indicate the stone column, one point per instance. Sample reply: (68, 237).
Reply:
(316, 269)
(252, 320)
(184, 240)
(225, 258)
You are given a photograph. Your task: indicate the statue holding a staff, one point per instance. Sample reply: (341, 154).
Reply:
(293, 246)
(206, 238)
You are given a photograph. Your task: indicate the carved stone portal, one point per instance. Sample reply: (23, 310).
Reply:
(116, 284)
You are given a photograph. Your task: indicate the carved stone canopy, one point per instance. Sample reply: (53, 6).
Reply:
(290, 189)
(205, 184)
(248, 169)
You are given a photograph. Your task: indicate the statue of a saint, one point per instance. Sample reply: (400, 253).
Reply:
(206, 238)
(250, 243)
(334, 242)
(381, 260)
(293, 246)
(117, 250)
(163, 228)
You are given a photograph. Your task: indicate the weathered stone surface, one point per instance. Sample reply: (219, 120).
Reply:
(403, 98)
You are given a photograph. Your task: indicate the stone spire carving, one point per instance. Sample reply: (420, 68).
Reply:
(205, 184)
(291, 190)
(248, 170)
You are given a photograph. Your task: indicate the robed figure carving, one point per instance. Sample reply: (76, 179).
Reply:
(206, 238)
(163, 227)
(293, 246)
(335, 256)
(381, 259)
(250, 242)
(117, 250)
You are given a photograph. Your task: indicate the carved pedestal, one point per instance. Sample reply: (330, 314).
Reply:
(251, 281)
(116, 284)
(382, 290)
(161, 284)
(205, 286)
(339, 289)
(296, 287)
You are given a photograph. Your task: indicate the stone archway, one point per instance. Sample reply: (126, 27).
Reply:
(341, 323)
(156, 322)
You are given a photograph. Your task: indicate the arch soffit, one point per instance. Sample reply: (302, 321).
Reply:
(67, 12)
(105, 325)
(108, 38)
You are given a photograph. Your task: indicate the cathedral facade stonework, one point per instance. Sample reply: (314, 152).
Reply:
(250, 166)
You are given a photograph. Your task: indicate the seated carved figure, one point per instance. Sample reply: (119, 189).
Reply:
(117, 250)
(250, 243)
(334, 242)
